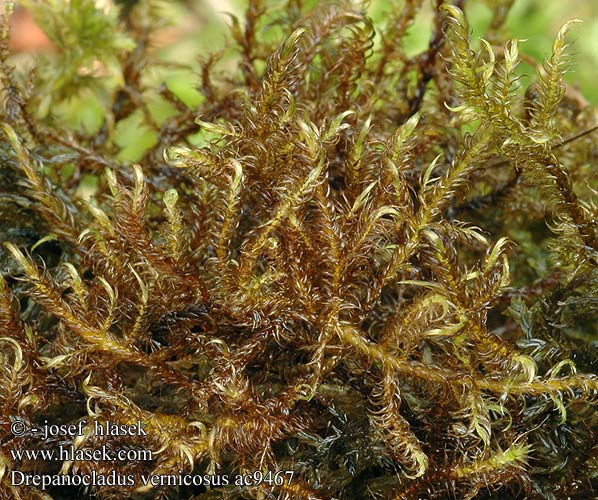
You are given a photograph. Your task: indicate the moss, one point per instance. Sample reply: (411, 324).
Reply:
(347, 270)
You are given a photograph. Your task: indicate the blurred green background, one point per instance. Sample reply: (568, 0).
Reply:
(193, 28)
(534, 22)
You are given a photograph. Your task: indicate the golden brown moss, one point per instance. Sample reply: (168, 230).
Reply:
(378, 271)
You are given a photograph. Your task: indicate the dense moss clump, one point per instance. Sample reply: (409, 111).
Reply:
(347, 271)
